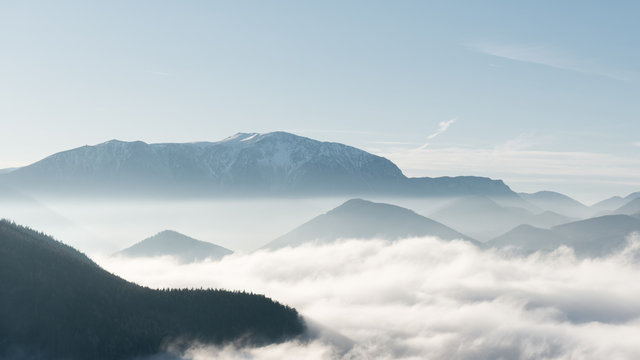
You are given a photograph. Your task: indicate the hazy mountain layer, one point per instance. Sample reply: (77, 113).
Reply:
(172, 243)
(55, 303)
(364, 219)
(614, 203)
(631, 208)
(275, 163)
(484, 219)
(593, 237)
(558, 203)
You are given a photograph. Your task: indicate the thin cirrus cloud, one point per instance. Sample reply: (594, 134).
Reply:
(506, 160)
(518, 164)
(547, 56)
(442, 127)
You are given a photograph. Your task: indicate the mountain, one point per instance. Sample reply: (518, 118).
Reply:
(614, 203)
(558, 203)
(631, 208)
(599, 236)
(7, 170)
(482, 217)
(549, 219)
(55, 303)
(276, 163)
(364, 219)
(172, 243)
(528, 239)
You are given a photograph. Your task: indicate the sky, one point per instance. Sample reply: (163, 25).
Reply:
(543, 95)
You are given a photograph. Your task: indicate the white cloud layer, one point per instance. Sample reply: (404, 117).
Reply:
(422, 298)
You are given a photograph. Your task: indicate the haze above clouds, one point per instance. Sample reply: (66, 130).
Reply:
(423, 298)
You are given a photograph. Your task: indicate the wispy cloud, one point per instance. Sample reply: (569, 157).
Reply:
(521, 161)
(548, 56)
(442, 127)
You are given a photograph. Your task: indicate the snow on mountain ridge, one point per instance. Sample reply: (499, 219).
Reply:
(273, 161)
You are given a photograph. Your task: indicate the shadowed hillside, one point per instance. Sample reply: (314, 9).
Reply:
(55, 303)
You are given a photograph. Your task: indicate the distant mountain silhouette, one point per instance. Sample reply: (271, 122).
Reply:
(614, 203)
(484, 219)
(558, 203)
(55, 303)
(364, 219)
(527, 239)
(172, 243)
(276, 163)
(630, 208)
(549, 219)
(599, 236)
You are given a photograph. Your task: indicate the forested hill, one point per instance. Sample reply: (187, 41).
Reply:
(55, 303)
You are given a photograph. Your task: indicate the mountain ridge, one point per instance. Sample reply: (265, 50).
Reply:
(363, 219)
(56, 303)
(276, 163)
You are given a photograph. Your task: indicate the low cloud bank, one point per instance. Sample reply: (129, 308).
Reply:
(424, 298)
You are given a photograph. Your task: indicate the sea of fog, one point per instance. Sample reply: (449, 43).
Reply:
(423, 298)
(418, 298)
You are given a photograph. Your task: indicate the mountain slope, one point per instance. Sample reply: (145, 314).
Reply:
(599, 236)
(549, 219)
(558, 203)
(614, 203)
(364, 219)
(527, 239)
(481, 217)
(595, 237)
(172, 243)
(631, 208)
(276, 163)
(55, 303)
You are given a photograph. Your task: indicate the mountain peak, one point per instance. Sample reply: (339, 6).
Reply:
(363, 219)
(172, 243)
(245, 164)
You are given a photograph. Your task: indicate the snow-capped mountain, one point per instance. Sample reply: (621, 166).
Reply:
(246, 163)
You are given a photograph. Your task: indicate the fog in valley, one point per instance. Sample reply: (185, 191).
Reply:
(372, 298)
(424, 298)
(103, 226)
(319, 180)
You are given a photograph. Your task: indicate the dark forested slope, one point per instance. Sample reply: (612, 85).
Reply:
(55, 303)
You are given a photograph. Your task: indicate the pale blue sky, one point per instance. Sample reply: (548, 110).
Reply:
(545, 94)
